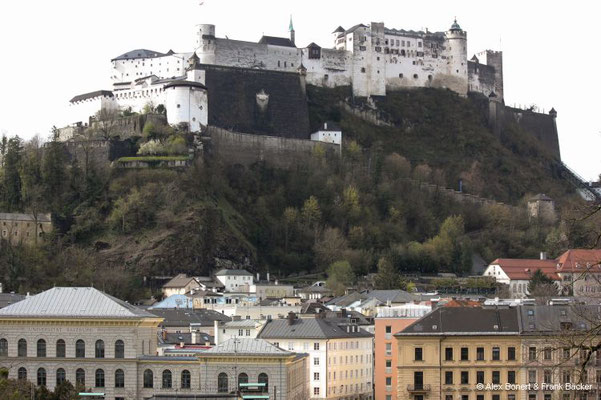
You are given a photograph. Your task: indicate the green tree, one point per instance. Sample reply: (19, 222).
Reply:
(340, 277)
(387, 277)
(538, 279)
(330, 247)
(12, 185)
(54, 173)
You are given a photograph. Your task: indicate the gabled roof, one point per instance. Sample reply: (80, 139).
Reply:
(537, 319)
(7, 299)
(580, 260)
(313, 45)
(247, 346)
(139, 53)
(25, 217)
(310, 328)
(185, 317)
(233, 272)
(91, 95)
(73, 302)
(179, 281)
(465, 321)
(339, 29)
(354, 28)
(522, 269)
(276, 41)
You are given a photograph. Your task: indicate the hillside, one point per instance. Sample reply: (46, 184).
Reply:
(117, 229)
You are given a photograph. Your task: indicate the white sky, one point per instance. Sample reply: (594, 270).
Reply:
(53, 50)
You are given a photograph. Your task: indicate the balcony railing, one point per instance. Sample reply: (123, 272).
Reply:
(418, 388)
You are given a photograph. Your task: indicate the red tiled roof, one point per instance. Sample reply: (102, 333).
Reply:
(522, 269)
(462, 303)
(580, 260)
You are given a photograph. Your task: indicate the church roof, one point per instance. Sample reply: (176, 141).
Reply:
(139, 53)
(455, 26)
(276, 41)
(91, 95)
(73, 302)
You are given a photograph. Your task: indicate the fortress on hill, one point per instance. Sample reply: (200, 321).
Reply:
(260, 87)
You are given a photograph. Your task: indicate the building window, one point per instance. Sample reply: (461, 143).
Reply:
(315, 376)
(464, 354)
(496, 354)
(480, 353)
(99, 349)
(60, 348)
(80, 377)
(167, 383)
(186, 379)
(415, 76)
(22, 348)
(99, 381)
(316, 391)
(3, 347)
(448, 377)
(465, 397)
(263, 378)
(80, 349)
(315, 346)
(22, 373)
(448, 397)
(532, 376)
(531, 353)
(119, 378)
(510, 376)
(496, 377)
(511, 396)
(222, 383)
(418, 354)
(418, 380)
(61, 376)
(242, 378)
(479, 376)
(119, 349)
(41, 348)
(448, 354)
(547, 376)
(315, 360)
(148, 379)
(388, 349)
(41, 377)
(465, 377)
(496, 397)
(547, 353)
(511, 353)
(363, 70)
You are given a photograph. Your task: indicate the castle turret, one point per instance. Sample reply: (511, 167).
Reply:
(457, 58)
(206, 44)
(193, 71)
(292, 33)
(337, 32)
(187, 102)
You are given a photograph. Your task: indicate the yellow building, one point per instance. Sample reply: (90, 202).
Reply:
(460, 354)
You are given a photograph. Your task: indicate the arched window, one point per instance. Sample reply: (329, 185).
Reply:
(99, 349)
(80, 377)
(22, 373)
(41, 377)
(61, 376)
(119, 349)
(41, 348)
(263, 378)
(119, 378)
(148, 379)
(99, 382)
(60, 348)
(3, 347)
(222, 384)
(242, 378)
(80, 349)
(22, 348)
(167, 379)
(186, 379)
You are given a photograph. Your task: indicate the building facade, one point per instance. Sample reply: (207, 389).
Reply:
(24, 228)
(104, 345)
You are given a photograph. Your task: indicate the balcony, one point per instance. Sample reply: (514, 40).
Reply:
(418, 388)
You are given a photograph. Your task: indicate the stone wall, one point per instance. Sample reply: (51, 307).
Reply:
(244, 148)
(257, 101)
(541, 126)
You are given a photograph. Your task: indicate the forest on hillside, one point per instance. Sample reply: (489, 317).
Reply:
(367, 209)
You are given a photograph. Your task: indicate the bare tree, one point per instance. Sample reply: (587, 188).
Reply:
(106, 122)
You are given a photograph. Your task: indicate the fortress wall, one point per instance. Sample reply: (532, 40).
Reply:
(481, 78)
(233, 102)
(244, 148)
(541, 126)
(237, 53)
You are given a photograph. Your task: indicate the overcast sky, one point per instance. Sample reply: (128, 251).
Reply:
(53, 50)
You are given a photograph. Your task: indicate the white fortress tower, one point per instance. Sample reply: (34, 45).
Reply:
(206, 44)
(457, 58)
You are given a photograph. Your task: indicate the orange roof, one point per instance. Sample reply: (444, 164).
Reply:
(462, 303)
(523, 268)
(580, 260)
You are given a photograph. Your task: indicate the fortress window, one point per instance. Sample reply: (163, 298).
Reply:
(325, 77)
(419, 44)
(178, 106)
(403, 43)
(284, 64)
(415, 76)
(378, 58)
(429, 77)
(363, 70)
(279, 64)
(400, 75)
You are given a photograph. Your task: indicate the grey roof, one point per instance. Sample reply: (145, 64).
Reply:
(6, 299)
(247, 346)
(91, 95)
(310, 328)
(231, 272)
(73, 302)
(465, 321)
(339, 29)
(354, 28)
(185, 83)
(276, 41)
(185, 317)
(139, 53)
(176, 338)
(395, 296)
(178, 281)
(25, 217)
(549, 319)
(242, 323)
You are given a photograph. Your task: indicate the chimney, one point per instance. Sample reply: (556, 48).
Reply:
(543, 255)
(343, 312)
(194, 337)
(268, 277)
(216, 331)
(291, 318)
(258, 276)
(325, 126)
